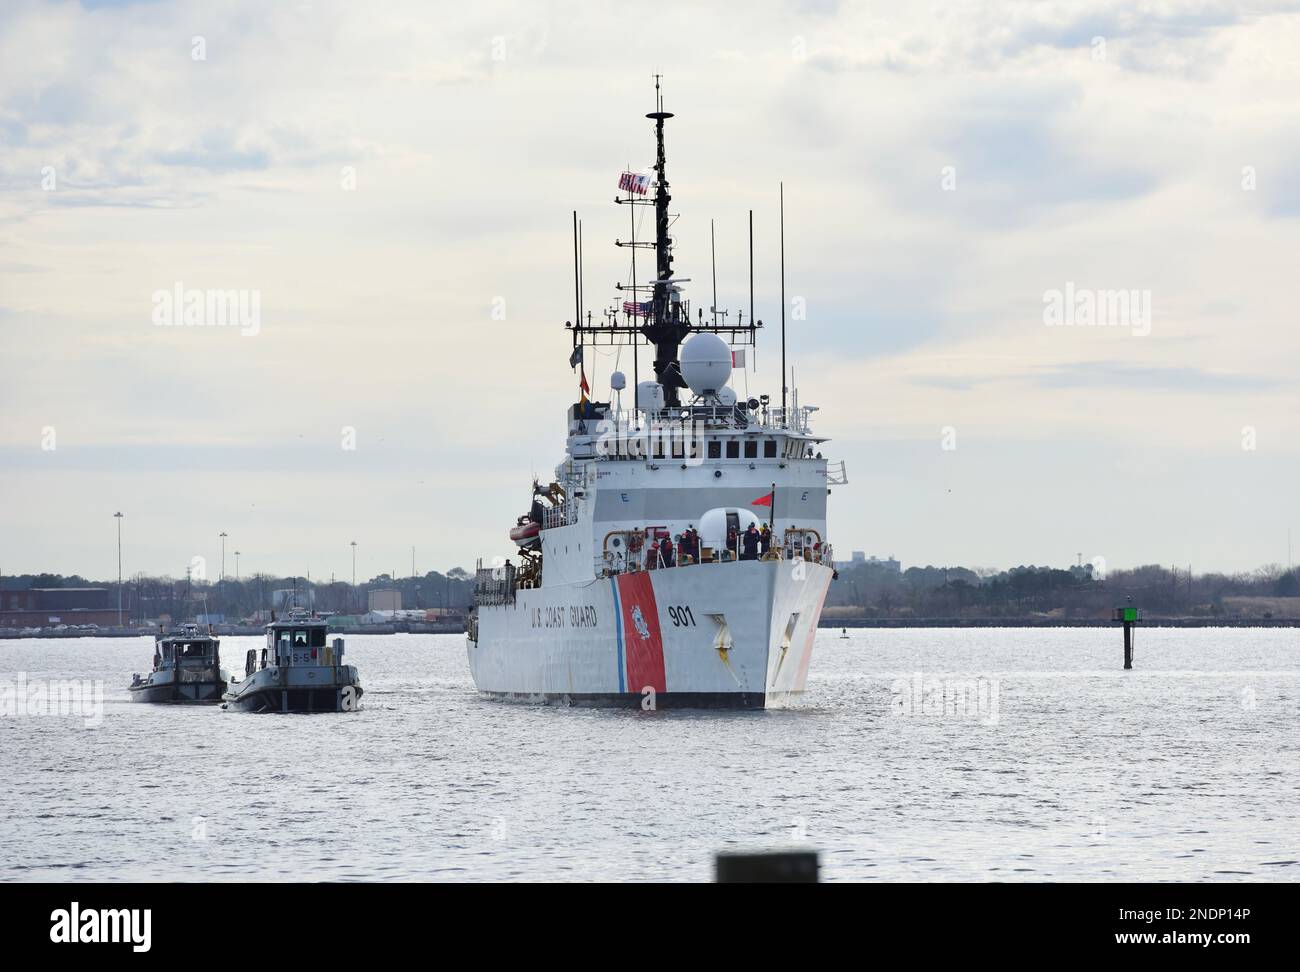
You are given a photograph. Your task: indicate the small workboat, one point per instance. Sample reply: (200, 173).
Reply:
(186, 668)
(296, 671)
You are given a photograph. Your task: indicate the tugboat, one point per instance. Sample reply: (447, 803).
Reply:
(296, 671)
(680, 556)
(186, 668)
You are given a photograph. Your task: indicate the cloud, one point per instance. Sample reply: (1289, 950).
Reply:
(469, 155)
(1110, 374)
(1186, 40)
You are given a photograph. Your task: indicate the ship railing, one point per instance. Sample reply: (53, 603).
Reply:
(494, 585)
(652, 558)
(836, 474)
(559, 516)
(715, 416)
(795, 419)
(676, 420)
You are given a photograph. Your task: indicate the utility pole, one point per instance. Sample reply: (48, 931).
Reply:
(221, 581)
(118, 516)
(236, 566)
(354, 574)
(784, 388)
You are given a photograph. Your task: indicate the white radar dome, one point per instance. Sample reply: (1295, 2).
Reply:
(726, 397)
(706, 363)
(650, 396)
(713, 525)
(618, 381)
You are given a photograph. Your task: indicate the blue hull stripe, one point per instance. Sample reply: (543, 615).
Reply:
(618, 627)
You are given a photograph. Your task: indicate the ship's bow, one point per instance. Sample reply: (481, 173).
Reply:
(798, 594)
(731, 635)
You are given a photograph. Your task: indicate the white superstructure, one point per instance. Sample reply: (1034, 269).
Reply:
(640, 576)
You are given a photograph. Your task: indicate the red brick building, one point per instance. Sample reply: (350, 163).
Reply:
(44, 607)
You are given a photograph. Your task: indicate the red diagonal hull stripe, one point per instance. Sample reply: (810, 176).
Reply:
(641, 635)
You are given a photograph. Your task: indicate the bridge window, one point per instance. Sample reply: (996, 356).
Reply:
(733, 449)
(769, 448)
(751, 449)
(715, 449)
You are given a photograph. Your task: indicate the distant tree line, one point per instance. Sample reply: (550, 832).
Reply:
(146, 597)
(1077, 592)
(861, 590)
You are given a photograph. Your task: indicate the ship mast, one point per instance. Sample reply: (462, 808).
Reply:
(666, 328)
(667, 320)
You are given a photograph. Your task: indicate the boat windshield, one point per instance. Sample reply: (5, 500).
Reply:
(301, 638)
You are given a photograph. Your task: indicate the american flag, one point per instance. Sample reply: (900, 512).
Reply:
(637, 182)
(636, 308)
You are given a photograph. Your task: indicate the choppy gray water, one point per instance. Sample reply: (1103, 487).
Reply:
(1067, 769)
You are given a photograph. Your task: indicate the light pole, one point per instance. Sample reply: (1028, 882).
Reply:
(118, 516)
(221, 581)
(236, 566)
(354, 572)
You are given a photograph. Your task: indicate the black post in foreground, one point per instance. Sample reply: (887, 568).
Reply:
(773, 867)
(1129, 616)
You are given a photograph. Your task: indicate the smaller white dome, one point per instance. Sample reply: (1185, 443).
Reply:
(618, 381)
(713, 525)
(650, 396)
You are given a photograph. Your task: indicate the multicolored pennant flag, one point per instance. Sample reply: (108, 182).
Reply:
(586, 389)
(637, 182)
(738, 358)
(636, 308)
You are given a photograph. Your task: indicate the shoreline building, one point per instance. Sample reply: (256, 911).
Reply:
(48, 607)
(875, 567)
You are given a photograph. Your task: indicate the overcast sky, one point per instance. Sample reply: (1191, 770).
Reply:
(383, 177)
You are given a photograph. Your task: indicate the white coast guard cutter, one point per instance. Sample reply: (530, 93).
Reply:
(634, 582)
